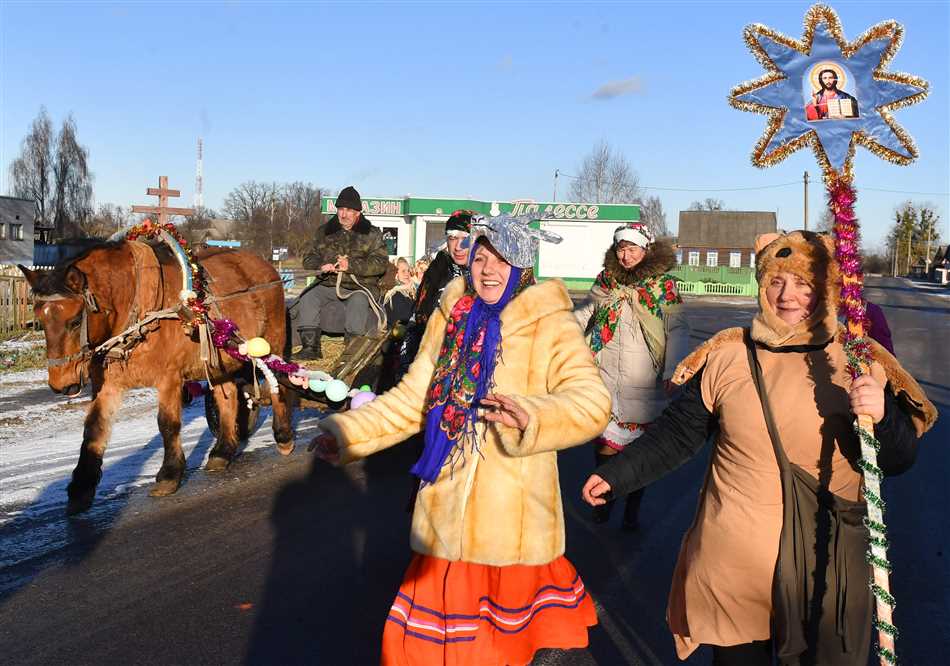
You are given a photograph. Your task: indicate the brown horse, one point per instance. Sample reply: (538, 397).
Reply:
(101, 293)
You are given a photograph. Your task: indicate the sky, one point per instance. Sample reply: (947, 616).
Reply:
(459, 99)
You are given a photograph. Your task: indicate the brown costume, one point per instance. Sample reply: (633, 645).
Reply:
(722, 586)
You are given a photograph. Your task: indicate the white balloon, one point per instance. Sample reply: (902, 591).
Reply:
(337, 390)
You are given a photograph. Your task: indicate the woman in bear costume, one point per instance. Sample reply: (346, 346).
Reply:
(721, 593)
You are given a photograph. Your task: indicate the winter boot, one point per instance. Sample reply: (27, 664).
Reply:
(631, 511)
(310, 341)
(601, 514)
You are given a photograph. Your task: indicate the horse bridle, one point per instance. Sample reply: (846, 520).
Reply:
(89, 306)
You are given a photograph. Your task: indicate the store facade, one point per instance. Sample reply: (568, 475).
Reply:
(415, 226)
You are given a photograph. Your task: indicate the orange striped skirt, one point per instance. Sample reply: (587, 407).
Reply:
(460, 614)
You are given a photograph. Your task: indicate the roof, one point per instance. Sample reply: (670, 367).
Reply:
(724, 228)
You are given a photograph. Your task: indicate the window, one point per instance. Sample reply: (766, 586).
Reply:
(735, 260)
(3, 231)
(752, 260)
(679, 257)
(712, 258)
(693, 258)
(16, 232)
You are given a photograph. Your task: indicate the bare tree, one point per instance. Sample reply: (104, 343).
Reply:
(54, 172)
(605, 176)
(708, 203)
(826, 222)
(72, 195)
(652, 213)
(31, 173)
(107, 219)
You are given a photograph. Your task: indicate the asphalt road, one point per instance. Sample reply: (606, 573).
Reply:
(283, 561)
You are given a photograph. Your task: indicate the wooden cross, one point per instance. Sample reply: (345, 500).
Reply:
(162, 209)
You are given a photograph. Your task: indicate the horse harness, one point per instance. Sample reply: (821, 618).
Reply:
(119, 346)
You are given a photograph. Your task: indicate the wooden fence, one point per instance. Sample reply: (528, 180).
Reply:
(16, 307)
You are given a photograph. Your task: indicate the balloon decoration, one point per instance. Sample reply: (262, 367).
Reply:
(833, 95)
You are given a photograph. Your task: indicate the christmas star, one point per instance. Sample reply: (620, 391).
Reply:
(792, 80)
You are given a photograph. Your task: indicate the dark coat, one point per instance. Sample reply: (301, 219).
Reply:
(363, 245)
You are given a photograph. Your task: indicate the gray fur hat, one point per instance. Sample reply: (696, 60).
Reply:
(512, 237)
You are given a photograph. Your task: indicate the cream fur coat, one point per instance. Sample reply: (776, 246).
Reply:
(502, 507)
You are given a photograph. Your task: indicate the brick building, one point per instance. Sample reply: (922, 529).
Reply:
(721, 237)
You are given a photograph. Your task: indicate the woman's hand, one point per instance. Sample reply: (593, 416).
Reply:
(502, 409)
(325, 447)
(867, 397)
(595, 490)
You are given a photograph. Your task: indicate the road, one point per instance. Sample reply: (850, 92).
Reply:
(289, 561)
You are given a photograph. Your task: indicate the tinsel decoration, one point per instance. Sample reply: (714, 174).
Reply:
(780, 95)
(777, 94)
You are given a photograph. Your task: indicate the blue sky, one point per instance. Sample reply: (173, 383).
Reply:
(480, 99)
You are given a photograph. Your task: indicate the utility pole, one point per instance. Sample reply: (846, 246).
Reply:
(556, 171)
(806, 201)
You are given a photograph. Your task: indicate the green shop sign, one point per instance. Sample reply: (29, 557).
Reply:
(370, 206)
(415, 206)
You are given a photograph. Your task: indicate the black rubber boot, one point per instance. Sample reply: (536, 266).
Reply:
(631, 511)
(601, 514)
(310, 341)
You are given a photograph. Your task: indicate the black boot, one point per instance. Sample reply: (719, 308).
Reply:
(310, 341)
(631, 512)
(601, 514)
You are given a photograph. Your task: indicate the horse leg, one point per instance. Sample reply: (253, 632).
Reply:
(95, 437)
(169, 425)
(282, 407)
(226, 398)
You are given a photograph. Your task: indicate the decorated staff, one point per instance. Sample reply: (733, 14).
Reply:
(833, 95)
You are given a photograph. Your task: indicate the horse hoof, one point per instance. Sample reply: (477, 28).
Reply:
(76, 506)
(164, 488)
(285, 448)
(217, 464)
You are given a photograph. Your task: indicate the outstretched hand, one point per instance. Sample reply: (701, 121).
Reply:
(500, 408)
(325, 447)
(595, 491)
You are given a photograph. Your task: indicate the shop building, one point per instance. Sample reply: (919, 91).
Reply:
(415, 226)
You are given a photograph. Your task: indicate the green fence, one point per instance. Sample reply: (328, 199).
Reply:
(715, 281)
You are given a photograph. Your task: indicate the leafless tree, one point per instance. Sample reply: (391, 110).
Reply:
(107, 219)
(54, 172)
(708, 203)
(269, 215)
(605, 176)
(652, 213)
(31, 173)
(72, 195)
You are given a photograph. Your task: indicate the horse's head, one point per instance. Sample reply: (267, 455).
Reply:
(72, 321)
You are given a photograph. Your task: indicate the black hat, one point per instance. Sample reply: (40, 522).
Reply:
(460, 220)
(349, 198)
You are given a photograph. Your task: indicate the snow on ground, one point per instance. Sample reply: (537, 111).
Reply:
(41, 432)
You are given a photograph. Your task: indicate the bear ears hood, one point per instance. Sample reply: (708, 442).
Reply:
(811, 257)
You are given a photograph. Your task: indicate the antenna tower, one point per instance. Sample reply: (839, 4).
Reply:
(199, 179)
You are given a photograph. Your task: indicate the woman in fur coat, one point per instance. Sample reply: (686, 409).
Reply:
(502, 380)
(728, 568)
(638, 335)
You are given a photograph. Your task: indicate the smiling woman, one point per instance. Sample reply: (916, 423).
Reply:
(488, 583)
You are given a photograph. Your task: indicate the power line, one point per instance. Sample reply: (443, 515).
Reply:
(561, 174)
(932, 194)
(720, 189)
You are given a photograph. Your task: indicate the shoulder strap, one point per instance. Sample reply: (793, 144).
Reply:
(766, 409)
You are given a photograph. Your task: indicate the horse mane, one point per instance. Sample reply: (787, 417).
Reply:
(52, 282)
